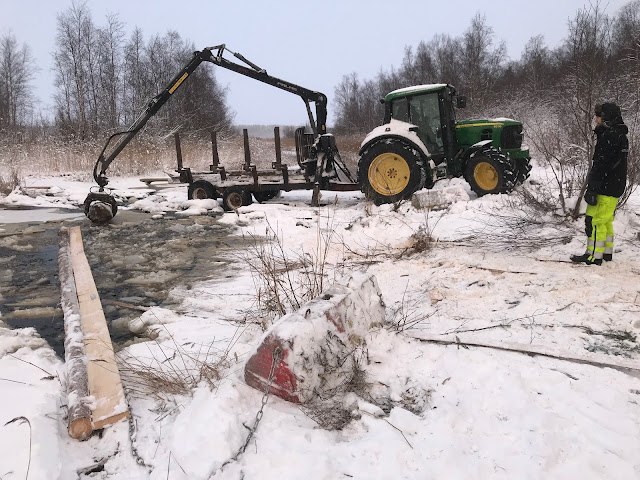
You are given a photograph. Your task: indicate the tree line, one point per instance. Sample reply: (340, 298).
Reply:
(599, 60)
(104, 78)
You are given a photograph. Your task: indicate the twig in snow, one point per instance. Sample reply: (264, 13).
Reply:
(23, 420)
(33, 364)
(159, 440)
(401, 432)
(16, 381)
(455, 330)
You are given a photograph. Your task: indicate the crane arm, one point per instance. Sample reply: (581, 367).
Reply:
(251, 70)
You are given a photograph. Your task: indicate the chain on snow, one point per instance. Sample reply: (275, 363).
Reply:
(275, 360)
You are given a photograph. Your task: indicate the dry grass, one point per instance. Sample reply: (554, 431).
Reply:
(171, 369)
(285, 279)
(145, 155)
(331, 412)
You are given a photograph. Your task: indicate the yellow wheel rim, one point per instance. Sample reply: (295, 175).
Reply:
(389, 174)
(485, 176)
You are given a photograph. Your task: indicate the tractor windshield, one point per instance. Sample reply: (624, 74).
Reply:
(424, 112)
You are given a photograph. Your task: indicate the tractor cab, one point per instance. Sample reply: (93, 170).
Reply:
(430, 109)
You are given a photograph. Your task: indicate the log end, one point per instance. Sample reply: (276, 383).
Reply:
(80, 428)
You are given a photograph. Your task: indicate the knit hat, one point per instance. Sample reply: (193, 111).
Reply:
(609, 112)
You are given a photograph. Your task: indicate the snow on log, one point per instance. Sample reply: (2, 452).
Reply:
(100, 212)
(79, 416)
(320, 342)
(438, 198)
(105, 386)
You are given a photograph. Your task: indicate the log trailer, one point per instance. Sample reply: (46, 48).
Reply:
(418, 143)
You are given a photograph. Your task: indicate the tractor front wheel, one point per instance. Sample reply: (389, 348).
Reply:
(389, 171)
(490, 172)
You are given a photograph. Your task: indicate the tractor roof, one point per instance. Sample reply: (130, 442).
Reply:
(403, 92)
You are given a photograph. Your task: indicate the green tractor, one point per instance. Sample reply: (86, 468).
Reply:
(421, 142)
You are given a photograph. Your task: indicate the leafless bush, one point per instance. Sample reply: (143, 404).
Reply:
(410, 313)
(420, 241)
(567, 161)
(287, 279)
(171, 369)
(523, 221)
(9, 182)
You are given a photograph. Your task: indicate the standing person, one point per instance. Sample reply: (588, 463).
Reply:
(607, 181)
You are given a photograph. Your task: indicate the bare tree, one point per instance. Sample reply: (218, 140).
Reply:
(481, 63)
(16, 72)
(587, 58)
(110, 41)
(71, 66)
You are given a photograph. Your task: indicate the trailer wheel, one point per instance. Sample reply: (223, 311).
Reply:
(235, 197)
(265, 195)
(201, 190)
(490, 172)
(389, 171)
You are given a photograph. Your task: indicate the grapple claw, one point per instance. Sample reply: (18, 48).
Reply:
(100, 207)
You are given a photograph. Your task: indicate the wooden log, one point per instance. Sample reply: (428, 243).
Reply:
(79, 416)
(105, 384)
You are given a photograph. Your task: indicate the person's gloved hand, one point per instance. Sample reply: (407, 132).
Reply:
(591, 197)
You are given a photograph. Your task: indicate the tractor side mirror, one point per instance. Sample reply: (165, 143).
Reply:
(382, 101)
(461, 101)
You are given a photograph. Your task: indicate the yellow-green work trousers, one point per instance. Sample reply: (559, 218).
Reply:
(599, 227)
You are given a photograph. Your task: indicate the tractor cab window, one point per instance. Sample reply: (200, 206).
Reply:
(400, 110)
(424, 112)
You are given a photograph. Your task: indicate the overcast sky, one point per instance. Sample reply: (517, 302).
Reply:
(312, 44)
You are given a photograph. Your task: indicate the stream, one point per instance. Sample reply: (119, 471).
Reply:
(135, 260)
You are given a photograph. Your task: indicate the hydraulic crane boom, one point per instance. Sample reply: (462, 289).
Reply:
(207, 55)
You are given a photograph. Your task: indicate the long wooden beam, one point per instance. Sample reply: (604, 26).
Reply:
(105, 385)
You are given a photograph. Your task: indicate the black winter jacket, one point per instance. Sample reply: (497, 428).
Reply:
(608, 175)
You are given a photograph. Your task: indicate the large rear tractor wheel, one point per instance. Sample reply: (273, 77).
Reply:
(390, 171)
(201, 190)
(490, 172)
(235, 197)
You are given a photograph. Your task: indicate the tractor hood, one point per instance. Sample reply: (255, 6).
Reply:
(487, 122)
(505, 134)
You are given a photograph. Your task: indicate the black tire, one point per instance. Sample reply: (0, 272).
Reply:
(490, 172)
(265, 195)
(389, 171)
(201, 190)
(235, 197)
(523, 166)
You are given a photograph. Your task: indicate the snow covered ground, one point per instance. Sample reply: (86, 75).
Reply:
(467, 273)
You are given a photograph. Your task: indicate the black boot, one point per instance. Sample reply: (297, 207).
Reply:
(608, 257)
(586, 258)
(579, 258)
